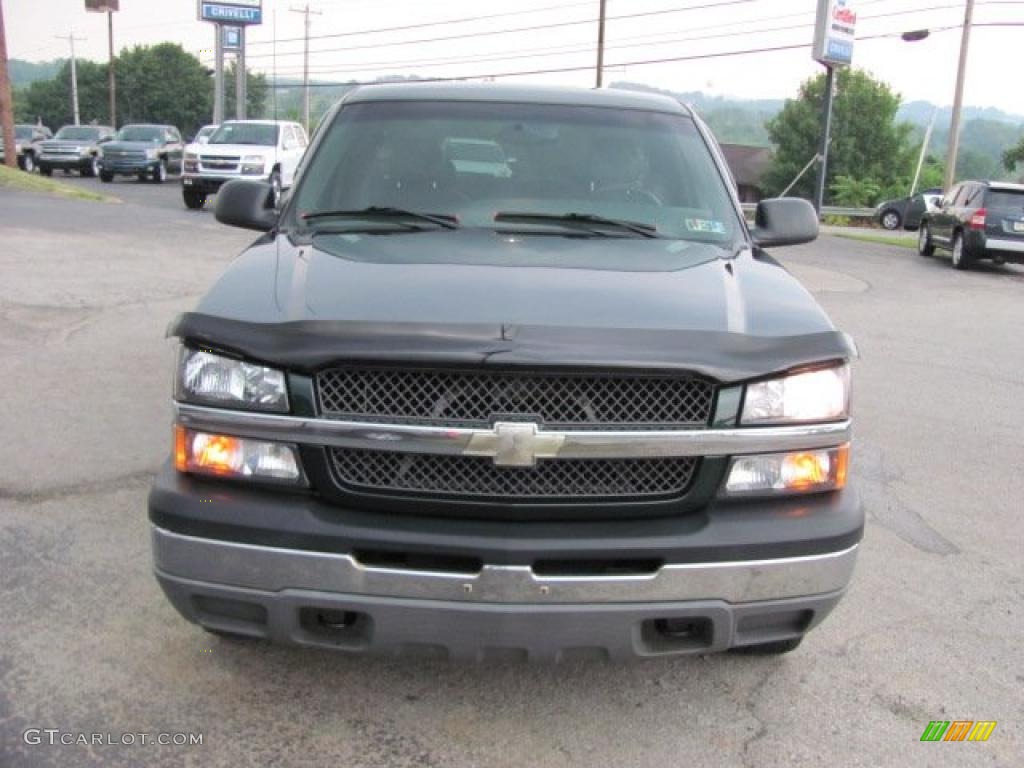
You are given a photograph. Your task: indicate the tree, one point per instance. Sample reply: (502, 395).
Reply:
(1013, 156)
(163, 84)
(50, 100)
(854, 193)
(255, 92)
(867, 143)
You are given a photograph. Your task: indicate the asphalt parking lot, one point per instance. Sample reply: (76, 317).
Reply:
(930, 630)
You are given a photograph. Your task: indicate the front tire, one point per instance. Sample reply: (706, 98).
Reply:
(92, 170)
(45, 170)
(925, 246)
(890, 219)
(961, 259)
(194, 199)
(159, 172)
(28, 162)
(106, 177)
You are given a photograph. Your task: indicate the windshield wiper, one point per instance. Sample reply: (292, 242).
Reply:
(444, 220)
(584, 219)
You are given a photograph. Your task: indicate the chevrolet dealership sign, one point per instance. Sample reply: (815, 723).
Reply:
(231, 11)
(834, 32)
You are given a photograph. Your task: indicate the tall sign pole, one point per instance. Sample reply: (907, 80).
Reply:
(218, 74)
(833, 48)
(230, 18)
(108, 7)
(958, 100)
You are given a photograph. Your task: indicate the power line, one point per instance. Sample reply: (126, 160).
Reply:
(423, 25)
(636, 63)
(587, 48)
(491, 33)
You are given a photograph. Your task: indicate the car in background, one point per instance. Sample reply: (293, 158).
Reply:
(907, 211)
(203, 134)
(267, 150)
(977, 220)
(27, 140)
(74, 148)
(144, 151)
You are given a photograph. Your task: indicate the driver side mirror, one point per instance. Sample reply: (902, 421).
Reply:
(203, 140)
(247, 204)
(784, 221)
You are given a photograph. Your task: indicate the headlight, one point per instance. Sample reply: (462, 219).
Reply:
(211, 379)
(822, 395)
(788, 473)
(253, 165)
(191, 162)
(151, 154)
(226, 456)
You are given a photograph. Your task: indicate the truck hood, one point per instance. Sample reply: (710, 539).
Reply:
(483, 299)
(481, 277)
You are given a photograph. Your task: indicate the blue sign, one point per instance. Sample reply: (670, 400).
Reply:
(230, 13)
(232, 39)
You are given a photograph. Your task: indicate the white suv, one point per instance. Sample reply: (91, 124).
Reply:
(243, 149)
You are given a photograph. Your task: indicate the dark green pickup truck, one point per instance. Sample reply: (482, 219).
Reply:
(569, 409)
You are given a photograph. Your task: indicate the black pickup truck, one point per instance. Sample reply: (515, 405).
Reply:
(571, 410)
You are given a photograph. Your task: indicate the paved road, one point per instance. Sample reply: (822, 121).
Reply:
(930, 630)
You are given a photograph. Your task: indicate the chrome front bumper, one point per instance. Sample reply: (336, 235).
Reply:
(273, 569)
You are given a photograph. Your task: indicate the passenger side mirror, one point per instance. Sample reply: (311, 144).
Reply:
(203, 140)
(784, 221)
(247, 204)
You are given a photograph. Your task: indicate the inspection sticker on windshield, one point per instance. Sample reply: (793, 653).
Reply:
(705, 225)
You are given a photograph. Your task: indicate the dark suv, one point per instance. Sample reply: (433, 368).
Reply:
(569, 409)
(143, 151)
(977, 220)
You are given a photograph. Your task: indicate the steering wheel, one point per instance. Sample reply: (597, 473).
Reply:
(631, 191)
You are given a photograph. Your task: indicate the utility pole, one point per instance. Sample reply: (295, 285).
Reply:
(924, 151)
(958, 100)
(6, 102)
(600, 45)
(305, 10)
(74, 73)
(111, 78)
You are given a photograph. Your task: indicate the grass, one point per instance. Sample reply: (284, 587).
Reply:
(899, 242)
(11, 178)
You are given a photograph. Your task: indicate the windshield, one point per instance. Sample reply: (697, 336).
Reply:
(246, 133)
(78, 133)
(141, 133)
(206, 130)
(647, 168)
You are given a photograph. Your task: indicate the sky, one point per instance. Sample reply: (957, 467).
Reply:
(529, 35)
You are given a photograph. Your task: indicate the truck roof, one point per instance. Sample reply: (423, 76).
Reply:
(516, 93)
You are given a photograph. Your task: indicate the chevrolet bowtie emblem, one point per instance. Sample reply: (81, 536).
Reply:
(513, 444)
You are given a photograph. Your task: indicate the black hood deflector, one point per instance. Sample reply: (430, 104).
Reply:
(309, 345)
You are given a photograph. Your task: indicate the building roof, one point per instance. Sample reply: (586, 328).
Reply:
(515, 93)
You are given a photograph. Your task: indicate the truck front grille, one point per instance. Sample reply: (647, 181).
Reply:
(478, 398)
(445, 476)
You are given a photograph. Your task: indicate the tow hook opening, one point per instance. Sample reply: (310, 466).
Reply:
(338, 627)
(677, 633)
